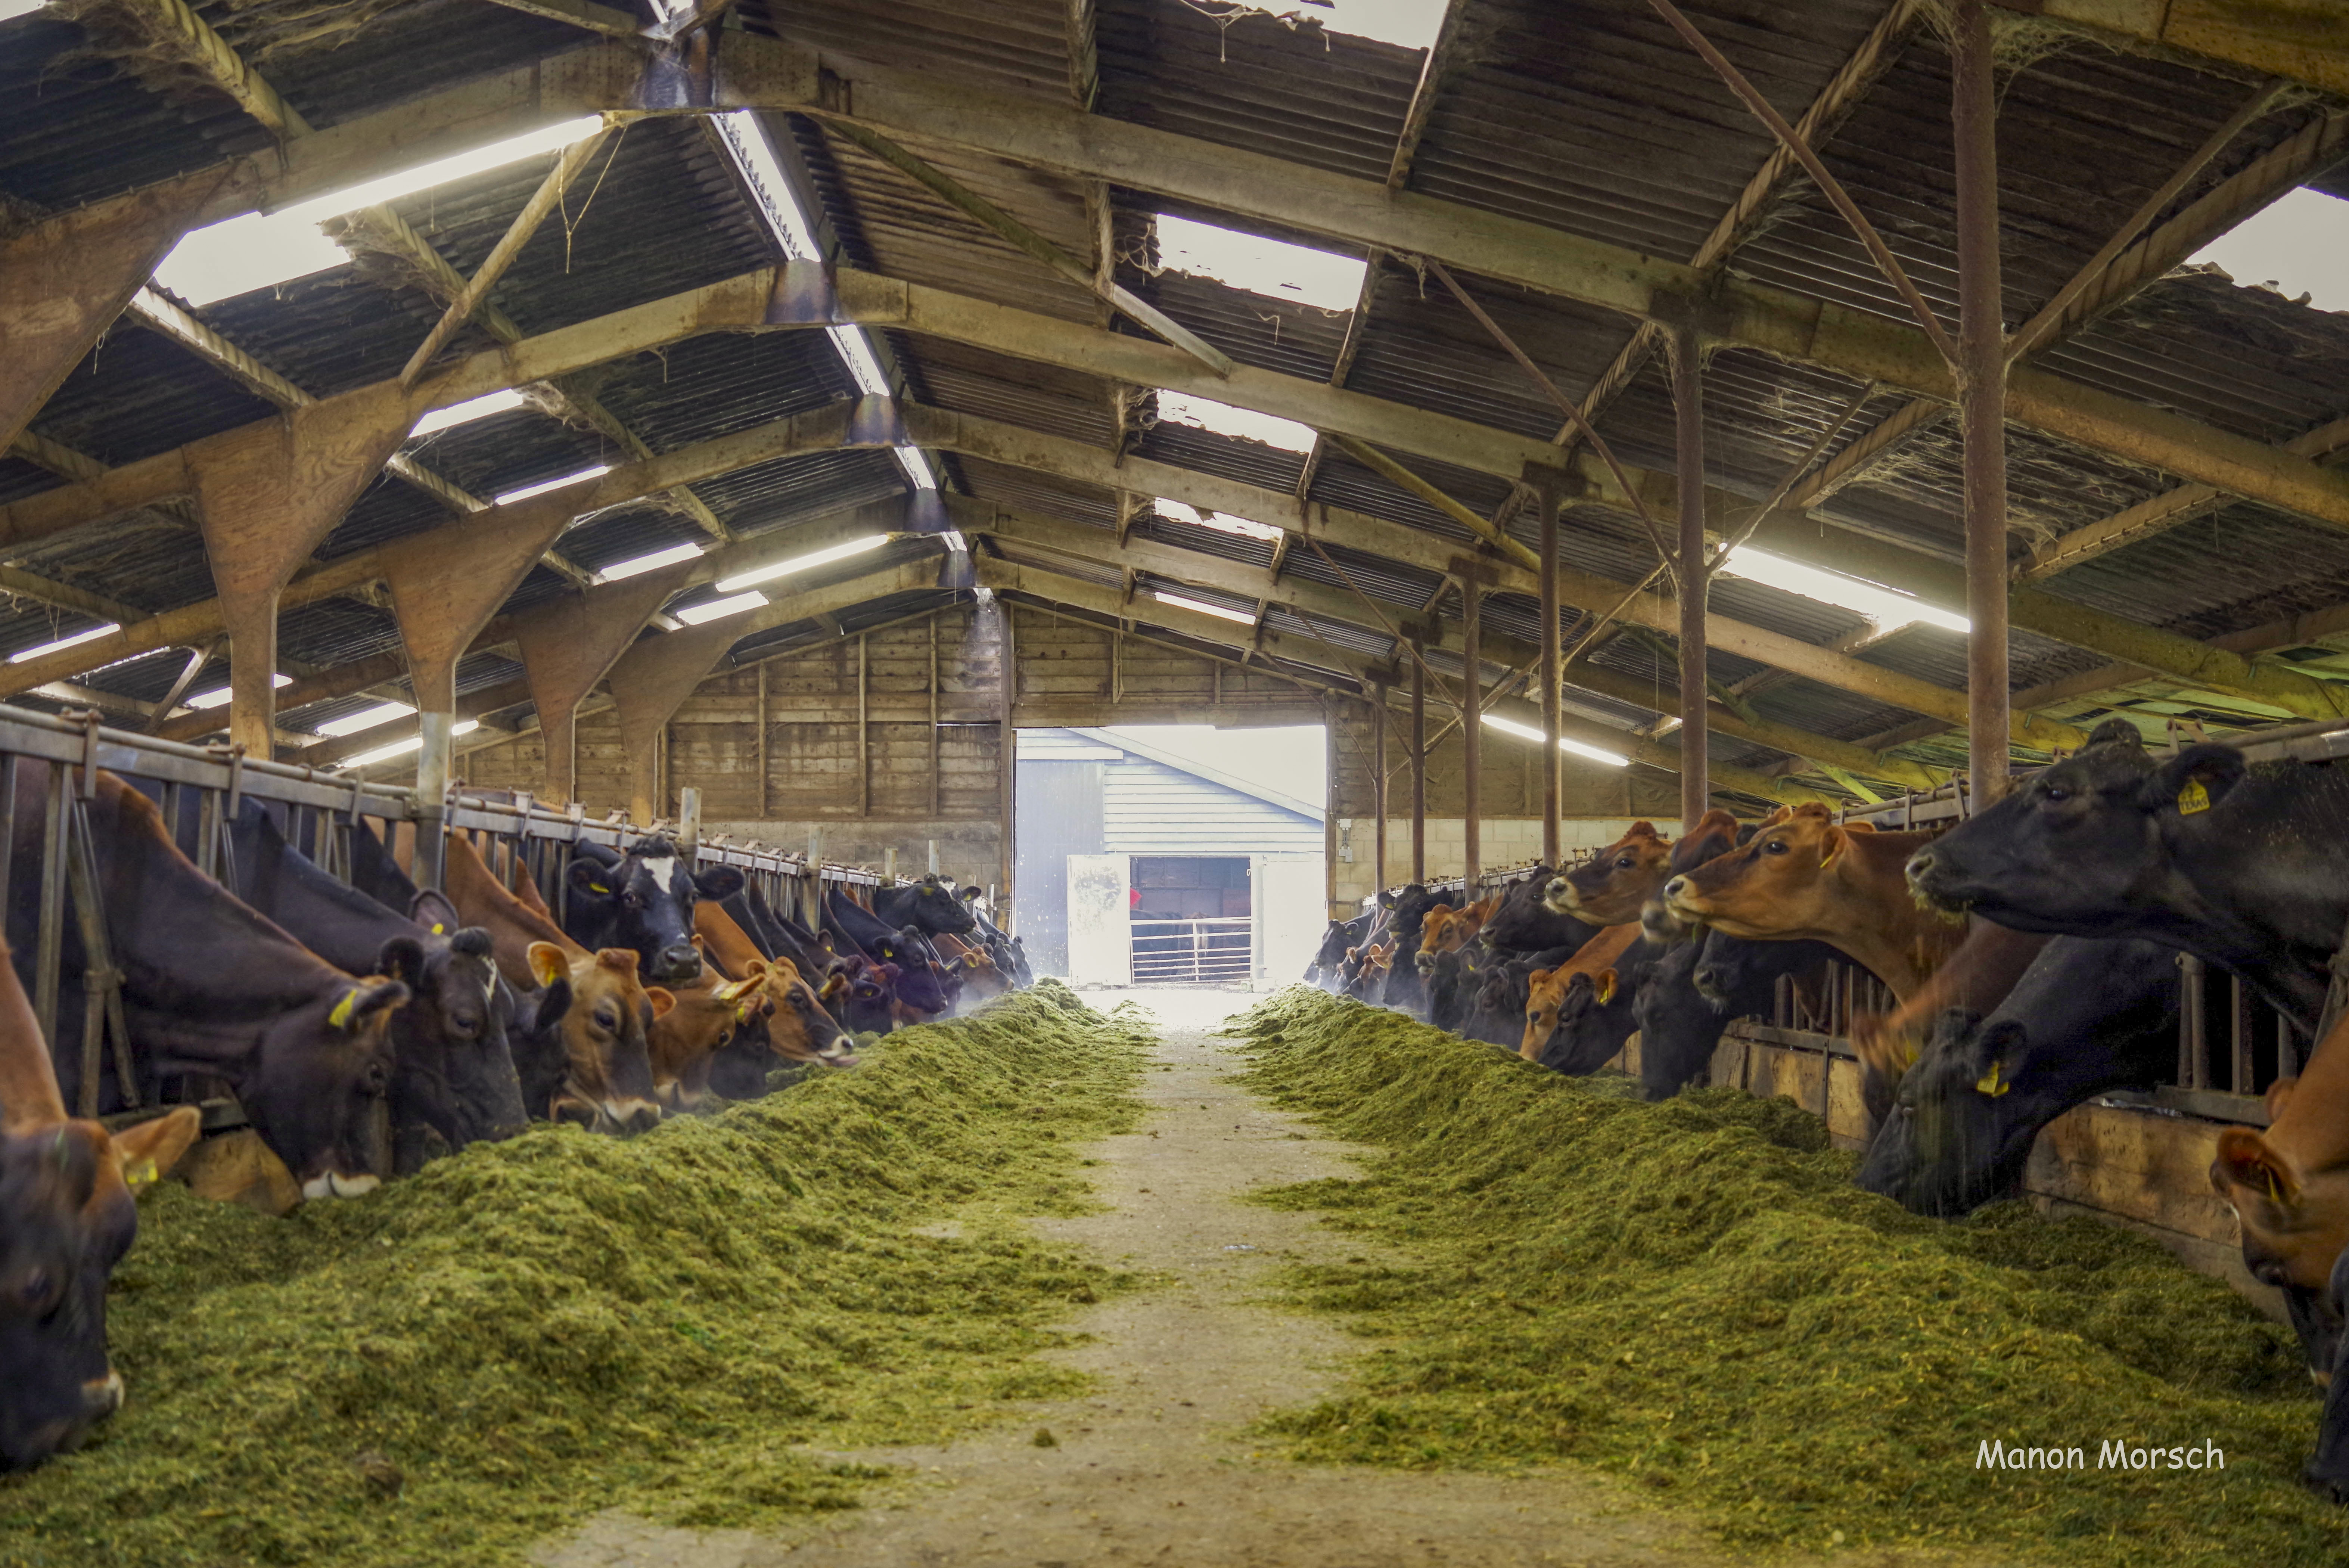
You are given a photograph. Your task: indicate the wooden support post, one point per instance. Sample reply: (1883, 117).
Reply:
(571, 643)
(1472, 728)
(1688, 426)
(863, 731)
(1330, 797)
(934, 735)
(761, 741)
(1980, 375)
(1546, 496)
(1418, 770)
(1007, 764)
(1377, 785)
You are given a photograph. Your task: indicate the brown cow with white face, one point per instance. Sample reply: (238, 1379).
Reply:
(1610, 890)
(1804, 874)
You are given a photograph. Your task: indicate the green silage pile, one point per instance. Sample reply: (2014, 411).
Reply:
(448, 1369)
(1695, 1296)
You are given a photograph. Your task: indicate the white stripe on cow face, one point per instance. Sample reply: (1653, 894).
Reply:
(662, 870)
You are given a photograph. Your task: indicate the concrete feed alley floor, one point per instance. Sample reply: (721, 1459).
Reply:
(1155, 1467)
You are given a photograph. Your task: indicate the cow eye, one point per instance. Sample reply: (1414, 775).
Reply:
(1774, 847)
(378, 1078)
(34, 1292)
(606, 1018)
(1624, 864)
(2055, 794)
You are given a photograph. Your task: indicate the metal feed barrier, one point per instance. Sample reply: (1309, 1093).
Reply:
(202, 788)
(1207, 951)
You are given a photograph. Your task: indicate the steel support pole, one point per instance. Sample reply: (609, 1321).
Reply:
(1546, 497)
(1377, 785)
(434, 758)
(1687, 428)
(1980, 375)
(1472, 734)
(1418, 770)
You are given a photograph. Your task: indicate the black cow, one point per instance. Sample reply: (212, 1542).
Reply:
(2327, 1470)
(642, 899)
(1341, 938)
(928, 904)
(2086, 1017)
(1010, 952)
(452, 1080)
(1698, 990)
(1404, 989)
(854, 992)
(1502, 990)
(210, 987)
(921, 984)
(2246, 867)
(1524, 923)
(1599, 1013)
(375, 873)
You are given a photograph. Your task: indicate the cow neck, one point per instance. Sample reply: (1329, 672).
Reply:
(1886, 930)
(192, 947)
(726, 944)
(482, 901)
(29, 1098)
(2311, 1131)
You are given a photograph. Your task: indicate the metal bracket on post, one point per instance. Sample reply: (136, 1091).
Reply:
(101, 981)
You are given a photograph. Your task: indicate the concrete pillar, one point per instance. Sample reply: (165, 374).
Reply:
(63, 282)
(443, 592)
(269, 494)
(649, 683)
(570, 644)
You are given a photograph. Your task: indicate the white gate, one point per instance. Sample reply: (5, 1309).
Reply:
(1099, 911)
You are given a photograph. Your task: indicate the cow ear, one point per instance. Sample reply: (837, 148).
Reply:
(2193, 780)
(718, 883)
(2245, 1159)
(553, 1002)
(2116, 733)
(1996, 1051)
(549, 963)
(1605, 986)
(661, 997)
(402, 958)
(1540, 976)
(72, 1164)
(1642, 829)
(151, 1150)
(589, 880)
(358, 1006)
(434, 912)
(1831, 844)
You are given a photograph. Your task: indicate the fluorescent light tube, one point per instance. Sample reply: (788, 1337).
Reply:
(260, 250)
(92, 635)
(1576, 748)
(808, 562)
(1245, 618)
(719, 609)
(366, 718)
(220, 697)
(466, 412)
(1889, 607)
(640, 564)
(542, 486)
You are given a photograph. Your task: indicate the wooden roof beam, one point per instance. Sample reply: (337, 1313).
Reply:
(2304, 40)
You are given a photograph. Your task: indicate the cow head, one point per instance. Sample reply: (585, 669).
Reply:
(857, 992)
(1776, 884)
(608, 1076)
(935, 909)
(66, 1217)
(313, 1089)
(1559, 1009)
(643, 902)
(797, 1024)
(455, 1065)
(1448, 931)
(2295, 1222)
(1608, 889)
(2079, 847)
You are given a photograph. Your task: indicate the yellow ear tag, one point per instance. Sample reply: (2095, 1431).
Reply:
(1831, 857)
(1991, 1084)
(735, 990)
(597, 887)
(1607, 990)
(438, 930)
(2193, 798)
(341, 1017)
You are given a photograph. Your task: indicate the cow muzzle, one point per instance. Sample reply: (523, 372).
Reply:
(629, 1117)
(335, 1184)
(678, 964)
